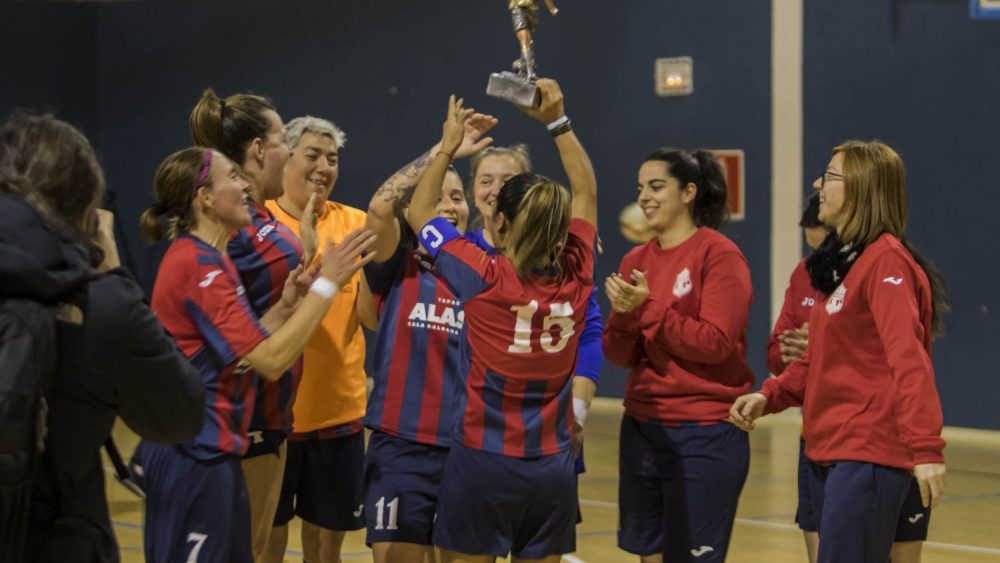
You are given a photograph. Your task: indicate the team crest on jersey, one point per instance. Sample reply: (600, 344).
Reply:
(836, 301)
(683, 285)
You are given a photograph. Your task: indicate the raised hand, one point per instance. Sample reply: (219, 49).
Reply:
(473, 141)
(307, 228)
(340, 262)
(453, 130)
(551, 107)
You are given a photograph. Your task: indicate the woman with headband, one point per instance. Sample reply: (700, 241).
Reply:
(196, 499)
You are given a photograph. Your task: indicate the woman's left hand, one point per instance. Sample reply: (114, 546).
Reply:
(932, 481)
(453, 130)
(473, 141)
(626, 297)
(307, 228)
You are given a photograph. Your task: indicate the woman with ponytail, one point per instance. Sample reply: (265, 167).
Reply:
(202, 302)
(871, 413)
(247, 129)
(509, 473)
(680, 305)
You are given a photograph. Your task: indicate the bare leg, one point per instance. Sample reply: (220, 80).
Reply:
(321, 545)
(447, 556)
(812, 545)
(263, 475)
(907, 551)
(549, 559)
(276, 544)
(401, 552)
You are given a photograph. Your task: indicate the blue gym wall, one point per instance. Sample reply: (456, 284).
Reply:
(925, 78)
(917, 73)
(383, 71)
(48, 57)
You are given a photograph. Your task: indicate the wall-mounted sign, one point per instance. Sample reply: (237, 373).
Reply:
(732, 161)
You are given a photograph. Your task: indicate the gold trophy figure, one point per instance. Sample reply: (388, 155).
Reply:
(519, 87)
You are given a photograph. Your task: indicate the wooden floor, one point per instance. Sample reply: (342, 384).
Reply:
(964, 529)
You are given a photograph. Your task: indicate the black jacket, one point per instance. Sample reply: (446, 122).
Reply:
(129, 368)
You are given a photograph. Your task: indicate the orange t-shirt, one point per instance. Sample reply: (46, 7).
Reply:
(332, 391)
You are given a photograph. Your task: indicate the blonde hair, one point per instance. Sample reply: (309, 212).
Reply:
(875, 203)
(874, 192)
(537, 211)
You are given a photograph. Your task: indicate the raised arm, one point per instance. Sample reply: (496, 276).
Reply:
(579, 170)
(428, 189)
(395, 193)
(272, 357)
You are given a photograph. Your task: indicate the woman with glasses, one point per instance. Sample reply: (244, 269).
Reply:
(871, 412)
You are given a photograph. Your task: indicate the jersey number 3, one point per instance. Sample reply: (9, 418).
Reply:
(560, 315)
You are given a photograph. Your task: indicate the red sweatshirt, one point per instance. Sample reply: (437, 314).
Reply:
(686, 344)
(870, 395)
(799, 300)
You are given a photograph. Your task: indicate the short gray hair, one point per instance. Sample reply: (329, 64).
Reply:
(296, 128)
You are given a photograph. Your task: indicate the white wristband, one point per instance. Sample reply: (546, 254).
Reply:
(324, 288)
(557, 123)
(580, 411)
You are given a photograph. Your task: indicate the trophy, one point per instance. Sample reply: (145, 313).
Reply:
(519, 87)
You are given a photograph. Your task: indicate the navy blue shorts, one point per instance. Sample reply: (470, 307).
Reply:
(914, 519)
(679, 488)
(858, 506)
(264, 442)
(324, 483)
(912, 524)
(804, 516)
(495, 504)
(195, 510)
(402, 483)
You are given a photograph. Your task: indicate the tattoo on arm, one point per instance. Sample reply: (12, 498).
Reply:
(398, 189)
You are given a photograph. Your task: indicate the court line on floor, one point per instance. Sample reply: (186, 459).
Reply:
(614, 505)
(792, 527)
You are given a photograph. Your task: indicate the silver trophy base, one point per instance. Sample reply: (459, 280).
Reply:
(513, 88)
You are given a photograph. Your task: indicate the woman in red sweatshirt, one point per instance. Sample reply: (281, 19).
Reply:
(871, 415)
(679, 315)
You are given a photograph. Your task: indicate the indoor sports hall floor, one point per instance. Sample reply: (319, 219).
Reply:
(964, 529)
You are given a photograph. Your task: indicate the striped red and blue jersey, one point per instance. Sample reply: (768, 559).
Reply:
(200, 301)
(264, 253)
(523, 336)
(420, 351)
(590, 351)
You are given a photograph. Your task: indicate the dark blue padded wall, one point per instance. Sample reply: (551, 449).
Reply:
(924, 78)
(48, 53)
(383, 71)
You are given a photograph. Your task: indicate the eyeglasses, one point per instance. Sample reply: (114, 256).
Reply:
(829, 176)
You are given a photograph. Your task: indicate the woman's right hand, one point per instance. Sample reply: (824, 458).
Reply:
(453, 130)
(339, 263)
(747, 409)
(551, 107)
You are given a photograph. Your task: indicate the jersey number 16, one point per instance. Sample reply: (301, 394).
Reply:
(560, 315)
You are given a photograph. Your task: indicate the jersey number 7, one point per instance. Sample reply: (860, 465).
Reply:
(560, 315)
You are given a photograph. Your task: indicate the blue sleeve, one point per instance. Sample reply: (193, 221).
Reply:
(466, 268)
(590, 353)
